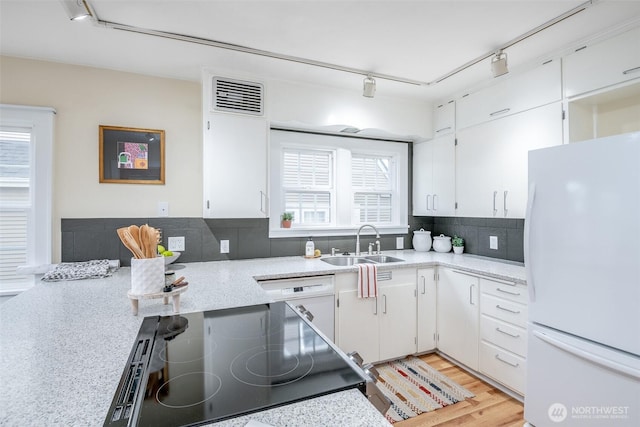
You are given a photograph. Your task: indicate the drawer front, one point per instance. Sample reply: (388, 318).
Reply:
(502, 309)
(507, 290)
(505, 335)
(503, 366)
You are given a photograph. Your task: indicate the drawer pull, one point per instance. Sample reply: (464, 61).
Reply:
(515, 365)
(507, 333)
(508, 292)
(495, 113)
(507, 309)
(440, 130)
(631, 70)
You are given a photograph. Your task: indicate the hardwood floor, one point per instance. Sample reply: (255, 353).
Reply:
(490, 407)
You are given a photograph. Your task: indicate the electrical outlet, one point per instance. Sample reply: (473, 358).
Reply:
(163, 208)
(399, 242)
(493, 242)
(176, 244)
(224, 246)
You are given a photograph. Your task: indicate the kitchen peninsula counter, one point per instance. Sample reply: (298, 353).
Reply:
(64, 344)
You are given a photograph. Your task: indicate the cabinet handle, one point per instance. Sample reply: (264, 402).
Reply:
(508, 292)
(495, 193)
(424, 285)
(263, 202)
(631, 70)
(507, 309)
(504, 202)
(446, 128)
(384, 304)
(471, 295)
(435, 207)
(375, 307)
(428, 197)
(495, 113)
(515, 365)
(507, 333)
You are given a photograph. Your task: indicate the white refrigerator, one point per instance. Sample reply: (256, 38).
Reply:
(582, 256)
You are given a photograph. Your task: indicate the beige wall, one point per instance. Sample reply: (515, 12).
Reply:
(85, 98)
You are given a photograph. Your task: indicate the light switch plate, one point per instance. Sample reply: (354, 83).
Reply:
(163, 208)
(176, 243)
(400, 242)
(224, 246)
(493, 242)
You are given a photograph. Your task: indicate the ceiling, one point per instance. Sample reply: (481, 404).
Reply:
(419, 40)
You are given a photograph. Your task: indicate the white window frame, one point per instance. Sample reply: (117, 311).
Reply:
(40, 120)
(343, 222)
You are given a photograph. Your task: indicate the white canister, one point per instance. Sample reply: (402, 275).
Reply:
(147, 275)
(422, 240)
(442, 243)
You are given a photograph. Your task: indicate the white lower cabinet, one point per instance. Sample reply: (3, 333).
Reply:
(503, 333)
(427, 309)
(458, 316)
(379, 328)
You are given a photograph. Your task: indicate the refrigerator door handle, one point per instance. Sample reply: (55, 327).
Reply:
(590, 357)
(527, 243)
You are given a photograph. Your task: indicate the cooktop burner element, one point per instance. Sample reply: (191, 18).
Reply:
(270, 366)
(198, 368)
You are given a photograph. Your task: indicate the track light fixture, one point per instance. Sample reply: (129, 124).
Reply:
(499, 64)
(76, 9)
(369, 87)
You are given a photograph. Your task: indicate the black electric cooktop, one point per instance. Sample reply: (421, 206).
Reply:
(199, 368)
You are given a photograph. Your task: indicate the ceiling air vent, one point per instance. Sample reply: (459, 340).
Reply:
(237, 96)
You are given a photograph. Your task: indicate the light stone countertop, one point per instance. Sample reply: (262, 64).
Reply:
(64, 345)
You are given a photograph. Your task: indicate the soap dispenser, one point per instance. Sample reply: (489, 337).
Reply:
(310, 248)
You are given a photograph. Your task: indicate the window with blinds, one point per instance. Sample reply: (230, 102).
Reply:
(372, 186)
(15, 204)
(307, 181)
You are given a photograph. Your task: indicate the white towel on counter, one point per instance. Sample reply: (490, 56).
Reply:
(367, 281)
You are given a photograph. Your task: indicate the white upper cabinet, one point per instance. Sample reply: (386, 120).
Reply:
(444, 118)
(434, 177)
(235, 166)
(602, 64)
(492, 159)
(539, 86)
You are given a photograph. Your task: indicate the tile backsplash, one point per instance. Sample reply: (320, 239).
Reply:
(96, 238)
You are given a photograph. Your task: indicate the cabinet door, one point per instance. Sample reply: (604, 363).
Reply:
(397, 313)
(458, 316)
(358, 328)
(444, 118)
(422, 178)
(537, 128)
(427, 303)
(444, 176)
(235, 166)
(478, 170)
(603, 64)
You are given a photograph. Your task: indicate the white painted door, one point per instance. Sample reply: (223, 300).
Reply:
(397, 312)
(422, 178)
(444, 176)
(426, 315)
(358, 328)
(458, 316)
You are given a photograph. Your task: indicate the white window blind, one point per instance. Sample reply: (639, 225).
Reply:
(15, 205)
(307, 182)
(372, 185)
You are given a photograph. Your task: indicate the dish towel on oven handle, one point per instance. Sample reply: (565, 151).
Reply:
(367, 281)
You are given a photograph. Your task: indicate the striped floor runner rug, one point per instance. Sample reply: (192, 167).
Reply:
(415, 387)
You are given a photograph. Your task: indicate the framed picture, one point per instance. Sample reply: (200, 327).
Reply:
(131, 155)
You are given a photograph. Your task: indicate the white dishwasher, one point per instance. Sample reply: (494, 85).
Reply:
(315, 293)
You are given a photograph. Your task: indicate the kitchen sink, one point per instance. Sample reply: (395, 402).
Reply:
(369, 259)
(344, 260)
(382, 259)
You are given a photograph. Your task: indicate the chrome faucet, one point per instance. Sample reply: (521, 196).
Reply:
(358, 238)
